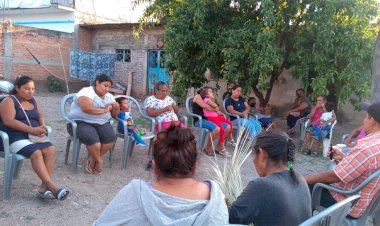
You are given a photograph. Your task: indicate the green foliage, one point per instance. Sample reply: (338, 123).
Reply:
(54, 85)
(327, 44)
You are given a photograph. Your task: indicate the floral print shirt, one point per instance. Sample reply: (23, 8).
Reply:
(153, 102)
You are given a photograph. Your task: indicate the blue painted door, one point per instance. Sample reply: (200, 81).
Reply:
(156, 70)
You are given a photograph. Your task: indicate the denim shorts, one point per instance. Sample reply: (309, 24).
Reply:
(209, 125)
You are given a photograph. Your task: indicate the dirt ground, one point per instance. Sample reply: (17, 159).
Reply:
(90, 194)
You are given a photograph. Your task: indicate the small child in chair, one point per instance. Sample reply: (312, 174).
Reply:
(126, 115)
(207, 95)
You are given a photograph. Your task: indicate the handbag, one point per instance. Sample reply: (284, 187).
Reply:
(32, 138)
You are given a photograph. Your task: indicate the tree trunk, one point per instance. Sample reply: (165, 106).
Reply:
(376, 72)
(264, 100)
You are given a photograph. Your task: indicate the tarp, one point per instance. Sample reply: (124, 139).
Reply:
(14, 4)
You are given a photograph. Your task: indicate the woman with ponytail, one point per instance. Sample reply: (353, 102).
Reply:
(280, 196)
(175, 197)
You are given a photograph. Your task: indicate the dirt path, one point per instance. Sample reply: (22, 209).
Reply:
(90, 194)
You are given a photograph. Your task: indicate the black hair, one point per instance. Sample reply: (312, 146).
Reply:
(329, 106)
(204, 91)
(300, 90)
(158, 85)
(103, 78)
(20, 81)
(120, 100)
(175, 152)
(279, 147)
(236, 86)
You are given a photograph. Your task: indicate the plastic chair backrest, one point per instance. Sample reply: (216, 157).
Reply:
(334, 215)
(66, 100)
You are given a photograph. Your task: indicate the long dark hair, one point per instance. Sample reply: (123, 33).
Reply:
(20, 81)
(175, 152)
(279, 147)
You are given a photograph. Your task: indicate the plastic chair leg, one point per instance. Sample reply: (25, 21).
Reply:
(8, 176)
(18, 164)
(76, 149)
(125, 153)
(151, 142)
(68, 144)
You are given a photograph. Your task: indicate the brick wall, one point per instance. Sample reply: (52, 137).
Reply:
(108, 40)
(47, 46)
(85, 39)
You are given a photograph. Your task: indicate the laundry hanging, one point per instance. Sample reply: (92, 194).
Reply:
(87, 65)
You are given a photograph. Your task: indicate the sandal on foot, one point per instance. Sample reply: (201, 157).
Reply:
(61, 194)
(45, 194)
(314, 154)
(232, 142)
(222, 152)
(88, 169)
(306, 152)
(208, 154)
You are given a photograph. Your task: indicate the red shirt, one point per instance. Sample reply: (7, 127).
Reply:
(362, 161)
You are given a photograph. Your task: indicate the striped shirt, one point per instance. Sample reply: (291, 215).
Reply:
(362, 161)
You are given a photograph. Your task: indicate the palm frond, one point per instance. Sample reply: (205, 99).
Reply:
(229, 177)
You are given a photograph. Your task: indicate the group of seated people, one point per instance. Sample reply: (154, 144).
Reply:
(175, 197)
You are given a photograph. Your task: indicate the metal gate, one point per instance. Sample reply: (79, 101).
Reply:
(156, 70)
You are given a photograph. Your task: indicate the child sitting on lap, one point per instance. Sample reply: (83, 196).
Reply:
(126, 115)
(208, 96)
(321, 131)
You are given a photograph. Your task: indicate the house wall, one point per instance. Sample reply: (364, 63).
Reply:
(46, 45)
(108, 40)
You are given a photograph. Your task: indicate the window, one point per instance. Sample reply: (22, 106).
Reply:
(123, 55)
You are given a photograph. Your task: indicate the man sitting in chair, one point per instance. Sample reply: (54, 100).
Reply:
(353, 168)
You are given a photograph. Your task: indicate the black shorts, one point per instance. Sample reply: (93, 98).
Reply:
(92, 133)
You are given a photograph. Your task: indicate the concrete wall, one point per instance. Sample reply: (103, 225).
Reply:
(108, 40)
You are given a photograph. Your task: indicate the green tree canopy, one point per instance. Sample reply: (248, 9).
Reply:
(326, 44)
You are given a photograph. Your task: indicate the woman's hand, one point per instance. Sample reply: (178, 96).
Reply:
(39, 131)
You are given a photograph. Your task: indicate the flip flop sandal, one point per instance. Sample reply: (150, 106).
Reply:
(208, 154)
(61, 194)
(314, 154)
(88, 169)
(222, 152)
(306, 152)
(45, 194)
(232, 142)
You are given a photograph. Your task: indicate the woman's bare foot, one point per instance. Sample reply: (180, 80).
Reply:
(99, 167)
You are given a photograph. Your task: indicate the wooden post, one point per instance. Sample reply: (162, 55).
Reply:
(129, 87)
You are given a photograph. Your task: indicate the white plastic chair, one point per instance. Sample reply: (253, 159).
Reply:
(65, 109)
(202, 132)
(325, 141)
(12, 162)
(235, 128)
(333, 215)
(372, 210)
(129, 142)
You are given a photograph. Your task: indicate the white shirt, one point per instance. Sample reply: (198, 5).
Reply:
(168, 116)
(76, 112)
(326, 116)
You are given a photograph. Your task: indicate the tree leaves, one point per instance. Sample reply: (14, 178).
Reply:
(327, 44)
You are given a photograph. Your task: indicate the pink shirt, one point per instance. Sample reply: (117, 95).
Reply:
(208, 113)
(317, 115)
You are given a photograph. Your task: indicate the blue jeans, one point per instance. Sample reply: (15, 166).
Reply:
(209, 125)
(253, 126)
(320, 133)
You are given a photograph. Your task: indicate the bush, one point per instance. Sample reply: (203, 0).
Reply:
(54, 85)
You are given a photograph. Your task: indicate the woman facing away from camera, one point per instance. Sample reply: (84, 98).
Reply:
(22, 119)
(280, 196)
(174, 197)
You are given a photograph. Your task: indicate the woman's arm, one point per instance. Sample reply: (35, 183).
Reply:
(115, 109)
(354, 133)
(230, 109)
(212, 104)
(198, 100)
(311, 115)
(87, 106)
(8, 114)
